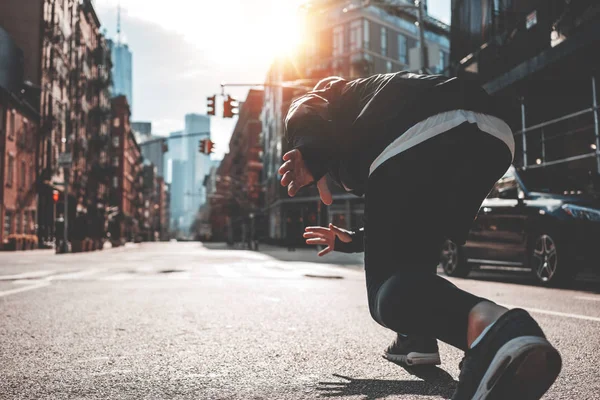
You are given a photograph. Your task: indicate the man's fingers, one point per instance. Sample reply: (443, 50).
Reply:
(326, 250)
(318, 229)
(293, 188)
(344, 236)
(287, 178)
(308, 235)
(286, 166)
(317, 241)
(291, 154)
(324, 192)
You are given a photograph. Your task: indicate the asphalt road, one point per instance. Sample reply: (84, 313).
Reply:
(193, 321)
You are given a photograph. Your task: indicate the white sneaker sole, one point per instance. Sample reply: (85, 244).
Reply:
(414, 358)
(524, 368)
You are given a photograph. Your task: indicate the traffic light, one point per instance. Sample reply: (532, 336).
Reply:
(210, 106)
(165, 146)
(230, 107)
(55, 196)
(206, 146)
(209, 146)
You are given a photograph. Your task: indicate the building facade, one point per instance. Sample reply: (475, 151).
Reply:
(540, 57)
(43, 29)
(66, 78)
(357, 42)
(127, 182)
(238, 197)
(18, 190)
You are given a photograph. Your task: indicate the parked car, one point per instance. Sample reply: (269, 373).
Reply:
(534, 219)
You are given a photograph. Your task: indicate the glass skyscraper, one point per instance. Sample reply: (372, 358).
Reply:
(122, 71)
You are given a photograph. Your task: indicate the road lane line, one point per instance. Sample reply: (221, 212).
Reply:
(24, 289)
(227, 272)
(587, 298)
(74, 275)
(26, 275)
(555, 313)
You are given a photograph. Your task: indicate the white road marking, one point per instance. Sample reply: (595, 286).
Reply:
(74, 275)
(117, 277)
(227, 272)
(24, 288)
(587, 298)
(26, 275)
(556, 313)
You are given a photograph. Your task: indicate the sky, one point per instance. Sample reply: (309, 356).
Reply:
(183, 50)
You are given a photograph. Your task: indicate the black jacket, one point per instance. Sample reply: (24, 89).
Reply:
(341, 129)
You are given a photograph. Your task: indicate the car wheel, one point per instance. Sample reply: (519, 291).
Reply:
(549, 262)
(453, 261)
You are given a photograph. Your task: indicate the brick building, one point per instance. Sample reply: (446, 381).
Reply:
(18, 195)
(127, 181)
(163, 217)
(240, 175)
(66, 82)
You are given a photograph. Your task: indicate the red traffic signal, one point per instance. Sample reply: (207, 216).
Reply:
(55, 196)
(230, 107)
(210, 105)
(206, 146)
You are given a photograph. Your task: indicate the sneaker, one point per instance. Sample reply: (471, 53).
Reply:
(512, 361)
(413, 350)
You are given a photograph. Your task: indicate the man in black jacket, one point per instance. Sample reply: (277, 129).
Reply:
(425, 151)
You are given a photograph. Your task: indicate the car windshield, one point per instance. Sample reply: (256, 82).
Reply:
(544, 180)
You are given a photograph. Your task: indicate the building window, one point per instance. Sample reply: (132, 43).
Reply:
(366, 34)
(10, 172)
(115, 182)
(116, 141)
(19, 222)
(338, 40)
(443, 61)
(402, 49)
(33, 223)
(115, 161)
(11, 125)
(7, 222)
(23, 180)
(116, 122)
(384, 41)
(388, 66)
(356, 35)
(32, 174)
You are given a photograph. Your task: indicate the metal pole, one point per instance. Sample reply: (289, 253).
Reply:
(523, 133)
(66, 211)
(596, 130)
(543, 146)
(420, 12)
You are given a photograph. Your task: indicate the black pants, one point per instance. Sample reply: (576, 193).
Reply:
(414, 202)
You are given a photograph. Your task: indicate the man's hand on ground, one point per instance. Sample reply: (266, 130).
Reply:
(319, 235)
(296, 175)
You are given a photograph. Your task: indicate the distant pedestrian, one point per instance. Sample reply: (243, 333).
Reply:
(425, 151)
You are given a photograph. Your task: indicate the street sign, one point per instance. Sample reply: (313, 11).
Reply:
(65, 159)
